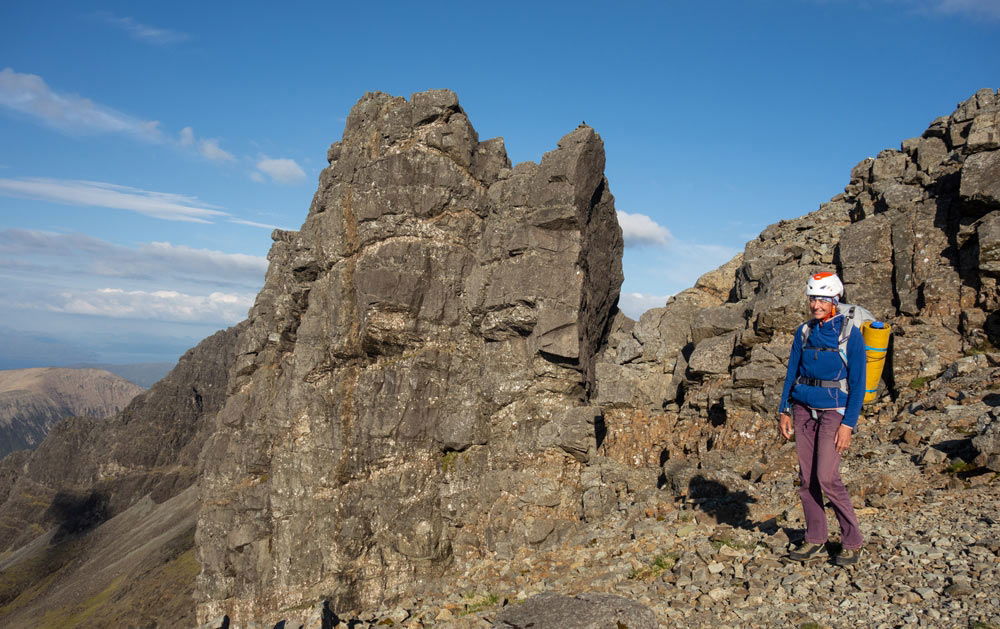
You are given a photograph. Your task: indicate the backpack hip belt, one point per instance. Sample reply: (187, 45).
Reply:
(813, 382)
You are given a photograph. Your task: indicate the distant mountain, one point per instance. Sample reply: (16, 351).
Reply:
(143, 374)
(34, 400)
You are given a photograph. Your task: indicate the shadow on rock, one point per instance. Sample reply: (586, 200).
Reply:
(715, 499)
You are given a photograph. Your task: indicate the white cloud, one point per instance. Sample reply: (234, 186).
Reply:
(634, 304)
(160, 305)
(281, 170)
(144, 32)
(639, 230)
(62, 254)
(208, 148)
(163, 205)
(256, 176)
(240, 221)
(28, 94)
(204, 259)
(211, 150)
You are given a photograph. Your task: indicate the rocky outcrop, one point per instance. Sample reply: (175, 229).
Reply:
(413, 383)
(915, 237)
(34, 400)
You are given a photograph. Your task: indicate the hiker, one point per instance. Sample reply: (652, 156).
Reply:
(820, 405)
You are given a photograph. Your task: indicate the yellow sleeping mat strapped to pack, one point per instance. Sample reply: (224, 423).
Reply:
(876, 336)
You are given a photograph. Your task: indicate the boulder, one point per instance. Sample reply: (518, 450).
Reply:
(981, 179)
(987, 442)
(989, 244)
(712, 356)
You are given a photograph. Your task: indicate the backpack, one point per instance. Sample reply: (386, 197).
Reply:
(854, 316)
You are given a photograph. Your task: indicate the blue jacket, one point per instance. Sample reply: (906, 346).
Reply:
(817, 364)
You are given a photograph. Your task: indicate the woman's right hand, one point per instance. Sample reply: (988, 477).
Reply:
(785, 425)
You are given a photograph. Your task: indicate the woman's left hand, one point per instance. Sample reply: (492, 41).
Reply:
(843, 439)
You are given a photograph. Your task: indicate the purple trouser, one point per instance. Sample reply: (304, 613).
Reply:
(819, 462)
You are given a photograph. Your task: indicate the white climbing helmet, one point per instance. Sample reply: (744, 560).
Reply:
(824, 284)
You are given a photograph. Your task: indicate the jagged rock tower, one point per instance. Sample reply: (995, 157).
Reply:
(414, 379)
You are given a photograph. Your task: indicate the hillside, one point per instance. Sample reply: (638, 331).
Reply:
(33, 400)
(143, 374)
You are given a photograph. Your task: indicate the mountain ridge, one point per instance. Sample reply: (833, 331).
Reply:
(434, 396)
(33, 400)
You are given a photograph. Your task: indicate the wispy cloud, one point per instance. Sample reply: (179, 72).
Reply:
(40, 252)
(988, 9)
(144, 32)
(210, 149)
(639, 230)
(975, 8)
(204, 260)
(162, 205)
(30, 95)
(161, 305)
(281, 170)
(240, 221)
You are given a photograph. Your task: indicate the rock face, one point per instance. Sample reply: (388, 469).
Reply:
(915, 237)
(33, 400)
(413, 383)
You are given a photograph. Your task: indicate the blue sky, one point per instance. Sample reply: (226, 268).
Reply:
(147, 150)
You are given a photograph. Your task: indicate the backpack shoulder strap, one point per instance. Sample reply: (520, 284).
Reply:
(805, 329)
(848, 323)
(845, 327)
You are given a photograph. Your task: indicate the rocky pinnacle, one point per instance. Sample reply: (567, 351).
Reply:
(414, 381)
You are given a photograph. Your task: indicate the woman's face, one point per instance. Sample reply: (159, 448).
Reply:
(820, 308)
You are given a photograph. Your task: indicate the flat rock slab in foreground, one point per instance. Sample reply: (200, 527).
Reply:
(586, 611)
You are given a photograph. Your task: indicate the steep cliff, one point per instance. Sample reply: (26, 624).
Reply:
(413, 383)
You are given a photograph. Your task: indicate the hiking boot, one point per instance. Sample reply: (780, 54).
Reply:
(806, 551)
(847, 557)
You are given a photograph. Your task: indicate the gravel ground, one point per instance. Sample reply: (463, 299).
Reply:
(930, 514)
